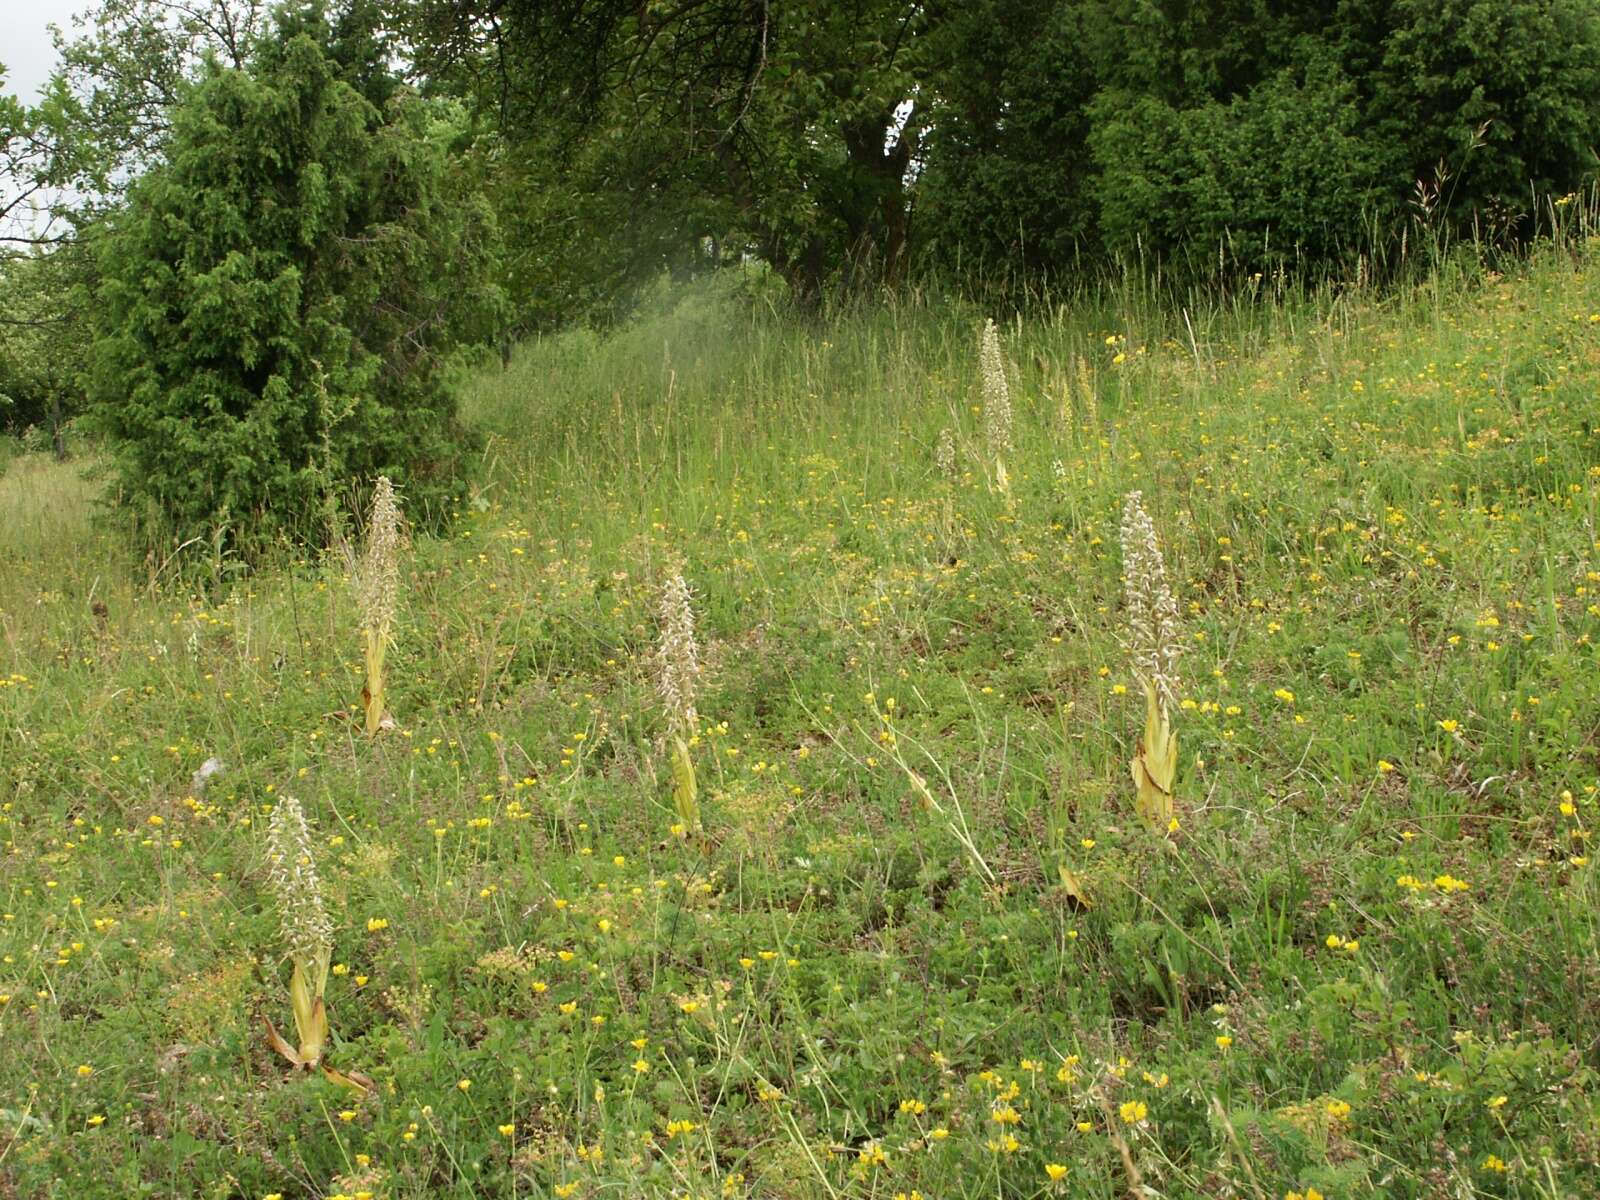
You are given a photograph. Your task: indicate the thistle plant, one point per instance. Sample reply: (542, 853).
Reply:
(678, 663)
(377, 590)
(306, 929)
(1153, 644)
(996, 402)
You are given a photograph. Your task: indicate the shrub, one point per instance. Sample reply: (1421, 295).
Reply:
(1502, 94)
(1281, 172)
(1294, 131)
(280, 296)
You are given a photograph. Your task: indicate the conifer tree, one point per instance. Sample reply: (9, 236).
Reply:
(280, 296)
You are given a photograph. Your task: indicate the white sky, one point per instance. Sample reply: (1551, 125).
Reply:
(25, 47)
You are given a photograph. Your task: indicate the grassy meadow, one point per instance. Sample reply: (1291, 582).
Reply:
(924, 946)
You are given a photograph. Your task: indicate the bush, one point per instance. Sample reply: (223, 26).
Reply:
(1280, 173)
(279, 299)
(1292, 131)
(1503, 94)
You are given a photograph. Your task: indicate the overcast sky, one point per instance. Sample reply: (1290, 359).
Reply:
(25, 40)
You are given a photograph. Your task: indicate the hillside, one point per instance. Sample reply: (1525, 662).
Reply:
(924, 946)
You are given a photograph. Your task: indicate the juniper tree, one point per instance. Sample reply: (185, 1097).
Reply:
(279, 297)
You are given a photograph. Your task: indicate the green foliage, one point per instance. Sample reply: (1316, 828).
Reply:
(33, 159)
(41, 346)
(1280, 174)
(66, 162)
(772, 130)
(43, 268)
(279, 299)
(1027, 139)
(845, 147)
(1267, 134)
(41, 271)
(1504, 95)
(588, 225)
(124, 67)
(1005, 183)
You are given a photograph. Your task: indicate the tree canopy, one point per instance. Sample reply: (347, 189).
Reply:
(858, 144)
(852, 143)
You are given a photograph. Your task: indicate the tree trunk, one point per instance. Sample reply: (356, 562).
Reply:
(58, 432)
(879, 228)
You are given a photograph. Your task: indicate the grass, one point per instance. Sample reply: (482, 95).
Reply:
(1363, 964)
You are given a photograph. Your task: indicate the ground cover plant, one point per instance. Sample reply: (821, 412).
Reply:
(850, 894)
